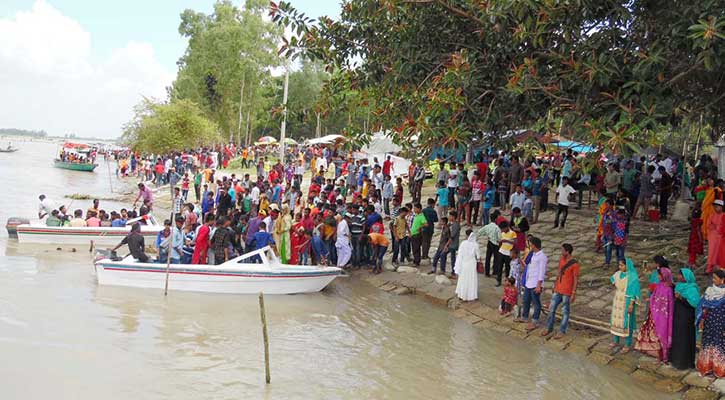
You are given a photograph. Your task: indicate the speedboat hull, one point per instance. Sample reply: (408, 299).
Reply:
(232, 276)
(70, 235)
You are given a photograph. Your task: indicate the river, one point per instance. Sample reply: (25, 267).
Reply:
(63, 336)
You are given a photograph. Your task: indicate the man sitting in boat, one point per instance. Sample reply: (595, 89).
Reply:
(163, 240)
(135, 243)
(53, 219)
(78, 221)
(45, 207)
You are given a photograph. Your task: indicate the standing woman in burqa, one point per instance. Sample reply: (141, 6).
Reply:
(687, 298)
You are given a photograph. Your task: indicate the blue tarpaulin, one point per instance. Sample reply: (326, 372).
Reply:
(575, 146)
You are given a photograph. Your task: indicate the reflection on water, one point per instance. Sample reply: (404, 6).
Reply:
(62, 336)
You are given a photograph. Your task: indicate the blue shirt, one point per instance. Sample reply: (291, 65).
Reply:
(372, 219)
(442, 196)
(177, 242)
(118, 223)
(488, 198)
(536, 187)
(206, 205)
(262, 238)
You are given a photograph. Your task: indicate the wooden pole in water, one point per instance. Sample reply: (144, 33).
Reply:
(110, 180)
(263, 315)
(171, 243)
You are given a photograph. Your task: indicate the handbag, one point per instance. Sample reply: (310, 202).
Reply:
(479, 267)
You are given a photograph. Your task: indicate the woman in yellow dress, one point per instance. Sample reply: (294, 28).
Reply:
(281, 234)
(624, 305)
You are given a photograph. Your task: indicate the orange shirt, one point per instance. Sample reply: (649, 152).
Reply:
(564, 283)
(379, 239)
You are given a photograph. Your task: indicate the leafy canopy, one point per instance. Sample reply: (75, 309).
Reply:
(604, 71)
(165, 127)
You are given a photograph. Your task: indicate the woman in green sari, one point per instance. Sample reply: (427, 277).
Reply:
(624, 306)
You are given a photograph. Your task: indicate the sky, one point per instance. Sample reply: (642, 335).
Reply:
(72, 66)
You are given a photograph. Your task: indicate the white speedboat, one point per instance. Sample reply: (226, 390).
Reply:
(240, 275)
(106, 236)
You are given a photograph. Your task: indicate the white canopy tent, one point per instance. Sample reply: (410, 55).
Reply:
(328, 139)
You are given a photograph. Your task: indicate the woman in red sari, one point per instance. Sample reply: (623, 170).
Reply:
(202, 241)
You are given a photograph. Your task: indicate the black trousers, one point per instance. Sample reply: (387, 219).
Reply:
(491, 254)
(425, 245)
(415, 242)
(501, 265)
(560, 209)
(664, 197)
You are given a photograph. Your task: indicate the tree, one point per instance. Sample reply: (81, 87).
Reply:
(228, 56)
(609, 72)
(164, 127)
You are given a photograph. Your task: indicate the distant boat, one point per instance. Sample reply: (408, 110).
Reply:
(80, 155)
(106, 236)
(9, 150)
(74, 165)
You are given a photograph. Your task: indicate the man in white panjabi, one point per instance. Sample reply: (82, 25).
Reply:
(343, 244)
(468, 256)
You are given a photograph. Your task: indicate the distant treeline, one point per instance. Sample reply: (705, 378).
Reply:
(22, 132)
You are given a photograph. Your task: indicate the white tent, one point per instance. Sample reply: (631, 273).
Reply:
(381, 146)
(326, 139)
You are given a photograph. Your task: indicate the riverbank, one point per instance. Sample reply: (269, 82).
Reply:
(588, 332)
(588, 335)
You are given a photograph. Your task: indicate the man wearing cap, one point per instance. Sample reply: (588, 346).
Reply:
(273, 214)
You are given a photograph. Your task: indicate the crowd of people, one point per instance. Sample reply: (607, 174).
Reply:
(354, 211)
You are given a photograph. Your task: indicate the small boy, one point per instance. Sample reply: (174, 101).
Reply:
(442, 199)
(510, 296)
(387, 195)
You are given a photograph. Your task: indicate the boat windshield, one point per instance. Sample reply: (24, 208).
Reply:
(264, 255)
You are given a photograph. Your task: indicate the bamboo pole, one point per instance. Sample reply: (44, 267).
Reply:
(263, 315)
(110, 180)
(241, 101)
(171, 243)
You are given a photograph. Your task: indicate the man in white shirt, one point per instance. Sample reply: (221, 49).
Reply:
(343, 244)
(254, 196)
(452, 184)
(517, 198)
(321, 163)
(45, 207)
(534, 284)
(562, 198)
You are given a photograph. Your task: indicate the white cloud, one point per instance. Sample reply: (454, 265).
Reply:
(50, 82)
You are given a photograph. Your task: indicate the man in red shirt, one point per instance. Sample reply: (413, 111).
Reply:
(387, 166)
(564, 291)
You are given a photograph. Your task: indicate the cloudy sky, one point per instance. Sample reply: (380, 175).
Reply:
(71, 66)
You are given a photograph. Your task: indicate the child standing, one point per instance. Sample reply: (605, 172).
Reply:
(694, 245)
(488, 198)
(510, 296)
(185, 186)
(387, 195)
(442, 199)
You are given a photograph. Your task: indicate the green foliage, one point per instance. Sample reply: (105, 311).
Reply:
(164, 127)
(613, 73)
(227, 49)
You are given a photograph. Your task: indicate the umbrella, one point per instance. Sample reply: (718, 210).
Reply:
(290, 141)
(265, 140)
